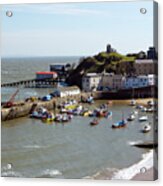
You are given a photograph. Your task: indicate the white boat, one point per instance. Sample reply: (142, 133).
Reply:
(133, 102)
(143, 118)
(63, 110)
(151, 103)
(139, 106)
(146, 128)
(144, 109)
(151, 109)
(131, 117)
(135, 112)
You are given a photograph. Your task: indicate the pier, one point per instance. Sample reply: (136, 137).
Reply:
(35, 83)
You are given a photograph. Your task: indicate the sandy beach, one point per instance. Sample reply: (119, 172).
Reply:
(142, 101)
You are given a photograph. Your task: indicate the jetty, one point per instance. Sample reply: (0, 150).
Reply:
(35, 83)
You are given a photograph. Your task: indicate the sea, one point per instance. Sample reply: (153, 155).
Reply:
(74, 150)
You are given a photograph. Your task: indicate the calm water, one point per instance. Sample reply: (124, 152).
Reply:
(15, 69)
(73, 150)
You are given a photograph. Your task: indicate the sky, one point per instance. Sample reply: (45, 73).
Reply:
(75, 29)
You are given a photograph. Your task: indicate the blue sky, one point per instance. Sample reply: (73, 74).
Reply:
(76, 29)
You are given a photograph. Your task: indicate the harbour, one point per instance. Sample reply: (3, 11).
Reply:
(72, 149)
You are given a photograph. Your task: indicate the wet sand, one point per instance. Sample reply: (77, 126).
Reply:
(142, 101)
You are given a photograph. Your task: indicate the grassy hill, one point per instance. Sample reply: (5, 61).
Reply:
(110, 62)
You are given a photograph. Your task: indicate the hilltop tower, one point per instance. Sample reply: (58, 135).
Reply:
(109, 49)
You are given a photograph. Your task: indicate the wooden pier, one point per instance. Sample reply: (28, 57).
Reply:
(35, 83)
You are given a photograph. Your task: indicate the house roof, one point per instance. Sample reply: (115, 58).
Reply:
(46, 73)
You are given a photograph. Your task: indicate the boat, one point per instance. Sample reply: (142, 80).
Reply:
(146, 128)
(143, 118)
(131, 117)
(90, 100)
(63, 110)
(76, 112)
(49, 118)
(151, 109)
(133, 102)
(109, 114)
(151, 103)
(58, 118)
(86, 113)
(94, 122)
(139, 107)
(92, 114)
(135, 112)
(65, 118)
(144, 109)
(119, 124)
(101, 113)
(40, 113)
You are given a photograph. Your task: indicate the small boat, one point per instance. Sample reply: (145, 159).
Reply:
(151, 103)
(63, 110)
(58, 118)
(135, 112)
(94, 122)
(143, 118)
(65, 118)
(144, 109)
(119, 124)
(49, 118)
(109, 114)
(90, 100)
(131, 117)
(40, 113)
(133, 102)
(84, 112)
(76, 112)
(139, 106)
(70, 116)
(101, 113)
(146, 128)
(151, 109)
(92, 114)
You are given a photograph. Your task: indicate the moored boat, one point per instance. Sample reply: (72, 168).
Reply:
(151, 103)
(143, 118)
(146, 128)
(39, 113)
(120, 124)
(133, 102)
(109, 114)
(94, 122)
(49, 118)
(131, 117)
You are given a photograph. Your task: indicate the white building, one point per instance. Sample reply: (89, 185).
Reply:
(103, 81)
(67, 91)
(91, 81)
(118, 82)
(140, 81)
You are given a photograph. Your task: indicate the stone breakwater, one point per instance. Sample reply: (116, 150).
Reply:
(27, 107)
